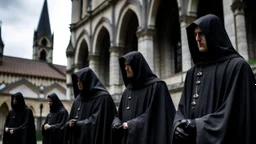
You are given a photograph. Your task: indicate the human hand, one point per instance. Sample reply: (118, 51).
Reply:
(11, 131)
(125, 125)
(46, 126)
(186, 130)
(72, 122)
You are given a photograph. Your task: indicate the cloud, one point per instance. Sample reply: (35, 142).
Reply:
(6, 4)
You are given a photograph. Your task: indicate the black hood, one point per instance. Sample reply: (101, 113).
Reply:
(20, 102)
(56, 103)
(218, 42)
(91, 84)
(143, 75)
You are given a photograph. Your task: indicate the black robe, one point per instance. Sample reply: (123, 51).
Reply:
(21, 119)
(146, 106)
(94, 110)
(225, 107)
(57, 118)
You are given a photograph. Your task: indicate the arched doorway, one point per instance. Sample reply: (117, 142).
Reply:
(3, 114)
(42, 55)
(168, 56)
(83, 55)
(250, 22)
(128, 32)
(103, 44)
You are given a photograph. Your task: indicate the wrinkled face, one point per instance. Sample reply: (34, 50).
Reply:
(128, 69)
(14, 101)
(200, 39)
(49, 101)
(79, 84)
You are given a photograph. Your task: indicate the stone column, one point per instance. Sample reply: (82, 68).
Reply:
(69, 90)
(75, 13)
(146, 45)
(241, 39)
(186, 56)
(94, 64)
(69, 71)
(229, 21)
(115, 73)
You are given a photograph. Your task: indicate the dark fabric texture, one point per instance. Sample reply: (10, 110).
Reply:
(145, 105)
(224, 110)
(21, 119)
(57, 118)
(94, 110)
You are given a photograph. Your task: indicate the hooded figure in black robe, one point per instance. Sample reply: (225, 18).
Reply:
(218, 103)
(92, 111)
(52, 129)
(146, 107)
(19, 126)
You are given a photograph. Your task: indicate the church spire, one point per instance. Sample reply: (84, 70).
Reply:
(43, 38)
(1, 41)
(44, 27)
(1, 44)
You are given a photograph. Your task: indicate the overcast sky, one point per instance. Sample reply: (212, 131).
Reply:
(19, 20)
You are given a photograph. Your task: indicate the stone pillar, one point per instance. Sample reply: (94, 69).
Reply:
(69, 70)
(115, 73)
(75, 13)
(69, 90)
(146, 45)
(94, 64)
(229, 21)
(186, 56)
(241, 39)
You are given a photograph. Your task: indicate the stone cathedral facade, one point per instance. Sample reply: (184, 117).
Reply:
(104, 30)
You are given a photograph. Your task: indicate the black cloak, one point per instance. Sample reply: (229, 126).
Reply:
(21, 119)
(145, 105)
(57, 118)
(94, 110)
(219, 91)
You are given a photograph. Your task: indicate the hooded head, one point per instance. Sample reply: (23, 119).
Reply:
(56, 104)
(218, 43)
(142, 74)
(18, 102)
(91, 83)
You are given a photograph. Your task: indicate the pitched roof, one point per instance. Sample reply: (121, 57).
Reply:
(44, 27)
(21, 66)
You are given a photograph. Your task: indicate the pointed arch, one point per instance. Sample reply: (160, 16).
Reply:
(44, 40)
(42, 55)
(82, 50)
(167, 44)
(32, 109)
(3, 114)
(103, 23)
(250, 22)
(102, 44)
(4, 106)
(125, 12)
(154, 5)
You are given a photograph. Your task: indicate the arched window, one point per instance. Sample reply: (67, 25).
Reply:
(42, 55)
(44, 42)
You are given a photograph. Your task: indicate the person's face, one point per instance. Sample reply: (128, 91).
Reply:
(49, 101)
(14, 101)
(79, 84)
(128, 69)
(201, 40)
